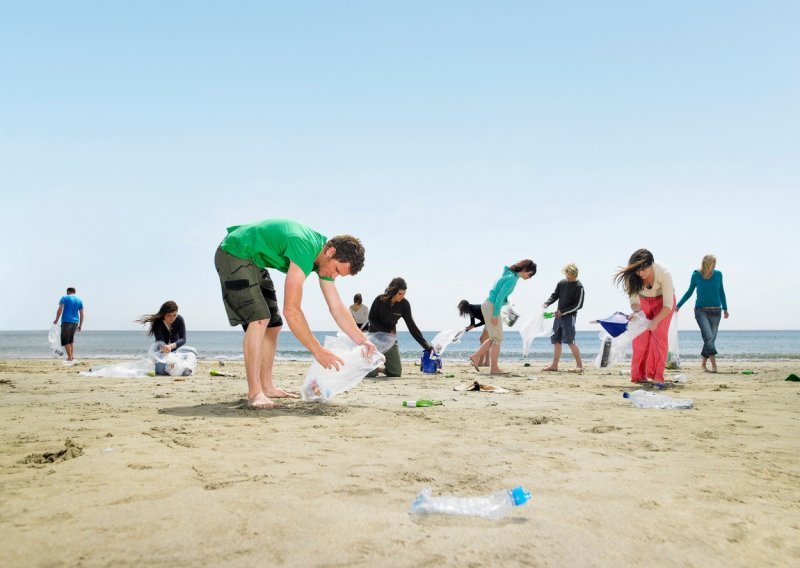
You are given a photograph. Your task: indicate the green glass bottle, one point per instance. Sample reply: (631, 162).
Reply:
(549, 315)
(421, 402)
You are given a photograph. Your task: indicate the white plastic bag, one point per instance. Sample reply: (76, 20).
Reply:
(126, 370)
(444, 338)
(612, 349)
(535, 327)
(178, 363)
(673, 357)
(509, 314)
(54, 339)
(322, 384)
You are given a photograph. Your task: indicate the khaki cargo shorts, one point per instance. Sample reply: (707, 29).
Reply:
(247, 291)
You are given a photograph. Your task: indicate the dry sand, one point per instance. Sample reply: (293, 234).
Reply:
(166, 472)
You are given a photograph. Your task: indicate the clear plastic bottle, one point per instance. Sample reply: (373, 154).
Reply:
(492, 506)
(644, 399)
(421, 402)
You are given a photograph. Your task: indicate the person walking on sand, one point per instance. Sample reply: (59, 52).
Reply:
(386, 310)
(569, 293)
(360, 313)
(475, 320)
(70, 310)
(651, 292)
(498, 297)
(242, 260)
(709, 306)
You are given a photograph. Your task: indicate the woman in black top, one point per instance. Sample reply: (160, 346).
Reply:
(475, 320)
(387, 309)
(167, 326)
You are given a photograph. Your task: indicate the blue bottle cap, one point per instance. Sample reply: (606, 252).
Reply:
(520, 496)
(626, 395)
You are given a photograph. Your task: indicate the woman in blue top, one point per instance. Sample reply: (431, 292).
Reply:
(709, 306)
(498, 297)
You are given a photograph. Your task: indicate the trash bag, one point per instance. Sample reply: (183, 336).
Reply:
(444, 338)
(430, 363)
(612, 349)
(509, 314)
(322, 384)
(126, 370)
(615, 324)
(54, 339)
(179, 363)
(673, 357)
(535, 327)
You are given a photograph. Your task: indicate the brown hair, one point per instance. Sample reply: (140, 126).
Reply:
(358, 300)
(393, 288)
(632, 282)
(166, 308)
(463, 308)
(349, 250)
(525, 265)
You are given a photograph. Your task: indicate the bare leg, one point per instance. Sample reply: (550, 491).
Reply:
(494, 353)
(556, 358)
(482, 350)
(576, 352)
(484, 360)
(713, 359)
(703, 364)
(252, 345)
(68, 348)
(267, 361)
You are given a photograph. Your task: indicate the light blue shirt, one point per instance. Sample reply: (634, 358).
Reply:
(502, 290)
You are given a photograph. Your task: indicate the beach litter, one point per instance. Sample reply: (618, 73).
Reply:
(793, 378)
(480, 387)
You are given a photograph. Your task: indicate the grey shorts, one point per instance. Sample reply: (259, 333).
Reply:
(247, 291)
(68, 333)
(564, 330)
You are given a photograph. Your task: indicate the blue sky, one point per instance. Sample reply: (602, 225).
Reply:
(451, 137)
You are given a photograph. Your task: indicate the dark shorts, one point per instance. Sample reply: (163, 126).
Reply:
(247, 291)
(68, 333)
(564, 330)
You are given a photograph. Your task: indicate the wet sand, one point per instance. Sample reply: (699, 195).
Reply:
(169, 471)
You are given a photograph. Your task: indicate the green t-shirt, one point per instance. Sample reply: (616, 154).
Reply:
(272, 243)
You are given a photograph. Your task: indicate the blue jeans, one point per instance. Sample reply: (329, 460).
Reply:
(708, 320)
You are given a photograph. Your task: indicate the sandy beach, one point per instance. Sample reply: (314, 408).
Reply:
(168, 471)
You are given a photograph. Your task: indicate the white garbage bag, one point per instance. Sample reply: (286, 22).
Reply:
(612, 349)
(322, 384)
(673, 357)
(535, 327)
(444, 338)
(54, 339)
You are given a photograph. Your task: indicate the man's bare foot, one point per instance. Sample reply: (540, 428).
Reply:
(259, 402)
(275, 392)
(550, 368)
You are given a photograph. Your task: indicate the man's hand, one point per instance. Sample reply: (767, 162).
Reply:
(329, 359)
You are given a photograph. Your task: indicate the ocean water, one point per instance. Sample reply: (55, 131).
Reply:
(732, 345)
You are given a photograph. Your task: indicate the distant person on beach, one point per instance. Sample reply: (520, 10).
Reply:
(498, 297)
(167, 327)
(475, 320)
(242, 260)
(70, 310)
(386, 310)
(649, 287)
(360, 313)
(569, 294)
(709, 307)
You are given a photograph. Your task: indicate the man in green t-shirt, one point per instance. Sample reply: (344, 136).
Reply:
(242, 260)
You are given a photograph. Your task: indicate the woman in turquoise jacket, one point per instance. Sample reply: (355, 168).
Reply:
(710, 305)
(498, 297)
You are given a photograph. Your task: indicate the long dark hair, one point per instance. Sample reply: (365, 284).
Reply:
(394, 287)
(166, 308)
(632, 282)
(525, 265)
(463, 308)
